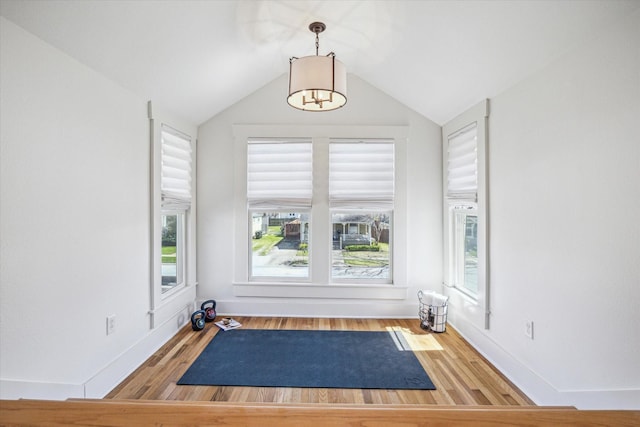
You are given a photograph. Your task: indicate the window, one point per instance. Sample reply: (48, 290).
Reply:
(280, 245)
(462, 187)
(172, 250)
(465, 214)
(175, 188)
(172, 215)
(465, 248)
(361, 193)
(279, 193)
(361, 246)
(276, 185)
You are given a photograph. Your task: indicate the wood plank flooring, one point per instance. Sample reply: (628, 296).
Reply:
(461, 375)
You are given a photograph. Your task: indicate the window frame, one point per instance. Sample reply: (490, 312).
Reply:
(283, 164)
(475, 308)
(320, 285)
(163, 306)
(351, 192)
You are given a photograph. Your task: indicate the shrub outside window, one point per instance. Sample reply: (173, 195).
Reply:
(361, 243)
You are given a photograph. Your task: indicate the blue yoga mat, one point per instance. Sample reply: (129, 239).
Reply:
(318, 359)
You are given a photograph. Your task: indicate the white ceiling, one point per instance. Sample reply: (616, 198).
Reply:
(199, 57)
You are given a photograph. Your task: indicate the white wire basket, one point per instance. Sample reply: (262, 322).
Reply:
(433, 311)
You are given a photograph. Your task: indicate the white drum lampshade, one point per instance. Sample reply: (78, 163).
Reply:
(317, 83)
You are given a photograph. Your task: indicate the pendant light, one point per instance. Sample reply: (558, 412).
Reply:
(317, 83)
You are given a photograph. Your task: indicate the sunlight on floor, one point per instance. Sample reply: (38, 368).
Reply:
(409, 341)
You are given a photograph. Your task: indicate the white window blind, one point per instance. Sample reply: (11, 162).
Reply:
(175, 183)
(361, 174)
(462, 164)
(279, 174)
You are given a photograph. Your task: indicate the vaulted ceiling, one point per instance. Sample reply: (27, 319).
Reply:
(199, 57)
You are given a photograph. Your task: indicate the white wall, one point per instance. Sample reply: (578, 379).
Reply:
(219, 215)
(564, 234)
(74, 224)
(564, 190)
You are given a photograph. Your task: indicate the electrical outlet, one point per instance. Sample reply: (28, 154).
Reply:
(111, 324)
(528, 329)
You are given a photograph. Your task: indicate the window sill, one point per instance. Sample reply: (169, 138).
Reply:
(334, 291)
(171, 304)
(469, 299)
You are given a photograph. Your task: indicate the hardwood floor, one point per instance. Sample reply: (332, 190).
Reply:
(461, 375)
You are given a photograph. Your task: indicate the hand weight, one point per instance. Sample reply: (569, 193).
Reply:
(198, 320)
(209, 308)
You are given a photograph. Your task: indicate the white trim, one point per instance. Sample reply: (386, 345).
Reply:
(302, 290)
(318, 308)
(534, 385)
(162, 306)
(17, 389)
(174, 299)
(476, 310)
(320, 262)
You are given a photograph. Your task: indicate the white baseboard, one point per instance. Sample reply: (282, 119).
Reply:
(109, 377)
(105, 379)
(603, 399)
(15, 389)
(536, 387)
(317, 308)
